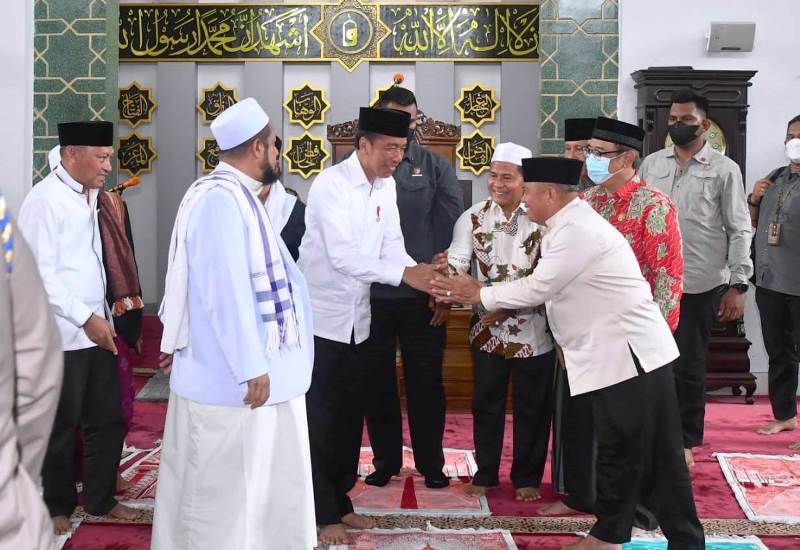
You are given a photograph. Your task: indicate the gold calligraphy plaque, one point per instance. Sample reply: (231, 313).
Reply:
(214, 100)
(136, 154)
(306, 105)
(306, 155)
(208, 155)
(475, 152)
(136, 104)
(350, 32)
(477, 104)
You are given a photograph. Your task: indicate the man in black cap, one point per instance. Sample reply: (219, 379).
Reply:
(617, 348)
(59, 220)
(353, 239)
(577, 133)
(429, 200)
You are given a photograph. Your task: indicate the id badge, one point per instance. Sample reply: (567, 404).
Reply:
(774, 234)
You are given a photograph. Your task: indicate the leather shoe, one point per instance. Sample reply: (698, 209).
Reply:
(378, 478)
(437, 481)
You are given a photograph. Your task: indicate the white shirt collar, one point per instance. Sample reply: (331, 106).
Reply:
(357, 175)
(558, 217)
(73, 184)
(252, 184)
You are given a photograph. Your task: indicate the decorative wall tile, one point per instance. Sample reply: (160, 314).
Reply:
(579, 48)
(72, 68)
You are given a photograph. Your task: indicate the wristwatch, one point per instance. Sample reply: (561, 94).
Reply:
(750, 201)
(740, 287)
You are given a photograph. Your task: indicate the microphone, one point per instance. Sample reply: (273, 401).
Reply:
(134, 181)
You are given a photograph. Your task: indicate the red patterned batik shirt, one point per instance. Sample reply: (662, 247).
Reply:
(647, 219)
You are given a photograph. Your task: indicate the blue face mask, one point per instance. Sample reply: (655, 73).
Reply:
(597, 168)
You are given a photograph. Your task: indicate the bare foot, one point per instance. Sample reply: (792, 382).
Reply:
(528, 494)
(357, 521)
(122, 484)
(120, 511)
(777, 426)
(689, 456)
(61, 525)
(333, 534)
(557, 508)
(591, 543)
(476, 490)
(795, 446)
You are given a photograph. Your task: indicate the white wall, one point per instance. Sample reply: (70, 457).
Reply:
(673, 33)
(16, 98)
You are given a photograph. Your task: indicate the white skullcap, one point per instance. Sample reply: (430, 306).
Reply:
(238, 123)
(511, 152)
(54, 157)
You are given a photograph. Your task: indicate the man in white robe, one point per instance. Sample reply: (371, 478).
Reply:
(235, 469)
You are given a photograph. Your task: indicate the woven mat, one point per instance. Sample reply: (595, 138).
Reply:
(156, 389)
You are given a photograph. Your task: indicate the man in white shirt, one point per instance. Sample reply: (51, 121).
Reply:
(235, 469)
(59, 220)
(617, 347)
(352, 239)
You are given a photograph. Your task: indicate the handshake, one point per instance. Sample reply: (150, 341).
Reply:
(442, 282)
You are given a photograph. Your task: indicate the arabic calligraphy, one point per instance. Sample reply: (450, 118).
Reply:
(348, 31)
(215, 100)
(136, 104)
(477, 104)
(306, 106)
(136, 154)
(306, 155)
(475, 152)
(208, 155)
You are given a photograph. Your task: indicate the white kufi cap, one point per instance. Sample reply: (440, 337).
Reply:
(54, 157)
(511, 152)
(238, 123)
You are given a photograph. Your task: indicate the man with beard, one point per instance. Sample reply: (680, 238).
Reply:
(235, 469)
(353, 239)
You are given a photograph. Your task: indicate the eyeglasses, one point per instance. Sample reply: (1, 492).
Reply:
(588, 151)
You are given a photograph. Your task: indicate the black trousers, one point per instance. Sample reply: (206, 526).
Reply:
(693, 335)
(640, 460)
(422, 349)
(574, 446)
(532, 394)
(335, 411)
(780, 326)
(90, 399)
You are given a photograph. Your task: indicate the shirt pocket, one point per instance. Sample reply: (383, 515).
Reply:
(703, 194)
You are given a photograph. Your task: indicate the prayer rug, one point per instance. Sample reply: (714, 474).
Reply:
(428, 539)
(156, 389)
(140, 467)
(712, 543)
(406, 493)
(767, 487)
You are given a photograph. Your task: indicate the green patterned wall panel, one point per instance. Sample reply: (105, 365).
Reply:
(579, 64)
(75, 72)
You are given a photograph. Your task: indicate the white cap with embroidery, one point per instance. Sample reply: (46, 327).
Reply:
(238, 123)
(511, 152)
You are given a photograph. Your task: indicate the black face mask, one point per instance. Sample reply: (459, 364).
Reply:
(410, 137)
(682, 134)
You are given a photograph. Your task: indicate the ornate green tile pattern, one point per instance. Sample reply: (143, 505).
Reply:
(75, 72)
(579, 48)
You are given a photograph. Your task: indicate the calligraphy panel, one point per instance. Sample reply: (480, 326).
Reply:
(477, 104)
(136, 104)
(136, 154)
(208, 155)
(475, 152)
(306, 155)
(306, 105)
(214, 100)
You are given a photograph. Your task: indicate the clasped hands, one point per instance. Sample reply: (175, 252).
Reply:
(446, 288)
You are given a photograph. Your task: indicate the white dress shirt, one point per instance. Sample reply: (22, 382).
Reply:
(226, 333)
(60, 225)
(599, 306)
(352, 239)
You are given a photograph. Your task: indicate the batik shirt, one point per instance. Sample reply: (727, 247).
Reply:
(647, 219)
(504, 249)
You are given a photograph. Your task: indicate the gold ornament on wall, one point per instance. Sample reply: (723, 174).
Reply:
(214, 100)
(350, 32)
(208, 155)
(477, 104)
(715, 138)
(475, 152)
(306, 155)
(306, 105)
(136, 154)
(136, 104)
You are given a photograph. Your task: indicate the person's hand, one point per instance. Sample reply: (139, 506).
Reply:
(419, 277)
(496, 317)
(760, 189)
(165, 362)
(100, 331)
(441, 312)
(257, 391)
(457, 289)
(440, 262)
(731, 306)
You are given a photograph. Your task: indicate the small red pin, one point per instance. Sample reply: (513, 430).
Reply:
(378, 214)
